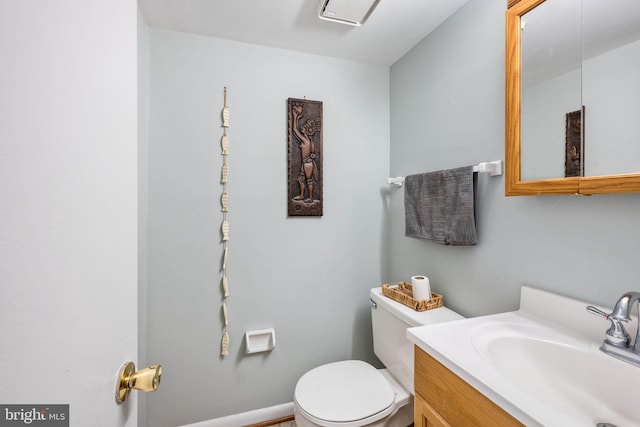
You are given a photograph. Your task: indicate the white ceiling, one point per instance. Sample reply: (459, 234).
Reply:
(393, 28)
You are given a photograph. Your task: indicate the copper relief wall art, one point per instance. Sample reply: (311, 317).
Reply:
(574, 144)
(305, 157)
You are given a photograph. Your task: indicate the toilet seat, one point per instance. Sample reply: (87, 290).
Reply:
(345, 393)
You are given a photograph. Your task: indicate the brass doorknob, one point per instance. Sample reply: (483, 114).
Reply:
(147, 379)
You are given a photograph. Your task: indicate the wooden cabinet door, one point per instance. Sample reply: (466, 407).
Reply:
(446, 399)
(425, 415)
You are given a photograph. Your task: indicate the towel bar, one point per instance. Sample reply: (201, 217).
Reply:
(493, 168)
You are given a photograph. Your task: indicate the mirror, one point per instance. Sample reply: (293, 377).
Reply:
(572, 97)
(611, 85)
(551, 87)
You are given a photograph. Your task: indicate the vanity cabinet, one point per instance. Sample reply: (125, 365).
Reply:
(442, 399)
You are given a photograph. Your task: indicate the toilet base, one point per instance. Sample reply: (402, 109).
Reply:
(403, 417)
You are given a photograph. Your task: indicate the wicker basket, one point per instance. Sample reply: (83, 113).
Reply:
(403, 293)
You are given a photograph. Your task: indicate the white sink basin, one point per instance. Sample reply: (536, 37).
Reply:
(542, 363)
(572, 373)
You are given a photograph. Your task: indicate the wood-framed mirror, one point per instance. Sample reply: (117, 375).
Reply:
(519, 184)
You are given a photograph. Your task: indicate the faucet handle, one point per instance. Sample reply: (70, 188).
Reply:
(595, 310)
(616, 334)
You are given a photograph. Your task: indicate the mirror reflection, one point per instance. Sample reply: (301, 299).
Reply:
(580, 94)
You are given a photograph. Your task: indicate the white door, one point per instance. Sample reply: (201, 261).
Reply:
(68, 205)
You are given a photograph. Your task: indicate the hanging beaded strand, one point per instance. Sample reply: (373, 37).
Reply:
(224, 228)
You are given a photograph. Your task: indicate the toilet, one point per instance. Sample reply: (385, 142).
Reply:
(352, 393)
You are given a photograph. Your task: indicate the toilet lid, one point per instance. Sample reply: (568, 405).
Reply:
(344, 391)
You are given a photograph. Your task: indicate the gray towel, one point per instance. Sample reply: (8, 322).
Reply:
(439, 206)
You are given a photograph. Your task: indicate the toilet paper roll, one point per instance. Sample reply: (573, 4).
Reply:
(421, 287)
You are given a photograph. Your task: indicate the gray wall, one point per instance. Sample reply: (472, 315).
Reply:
(306, 277)
(447, 110)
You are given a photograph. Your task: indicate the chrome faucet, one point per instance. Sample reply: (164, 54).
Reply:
(617, 340)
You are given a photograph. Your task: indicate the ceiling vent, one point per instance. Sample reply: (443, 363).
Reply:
(350, 12)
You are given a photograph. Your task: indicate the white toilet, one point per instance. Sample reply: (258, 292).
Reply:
(353, 393)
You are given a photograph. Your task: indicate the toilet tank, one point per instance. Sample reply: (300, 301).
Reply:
(390, 320)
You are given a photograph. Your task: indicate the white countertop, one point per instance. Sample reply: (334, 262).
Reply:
(541, 314)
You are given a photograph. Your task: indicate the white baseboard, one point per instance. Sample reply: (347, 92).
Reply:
(249, 417)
